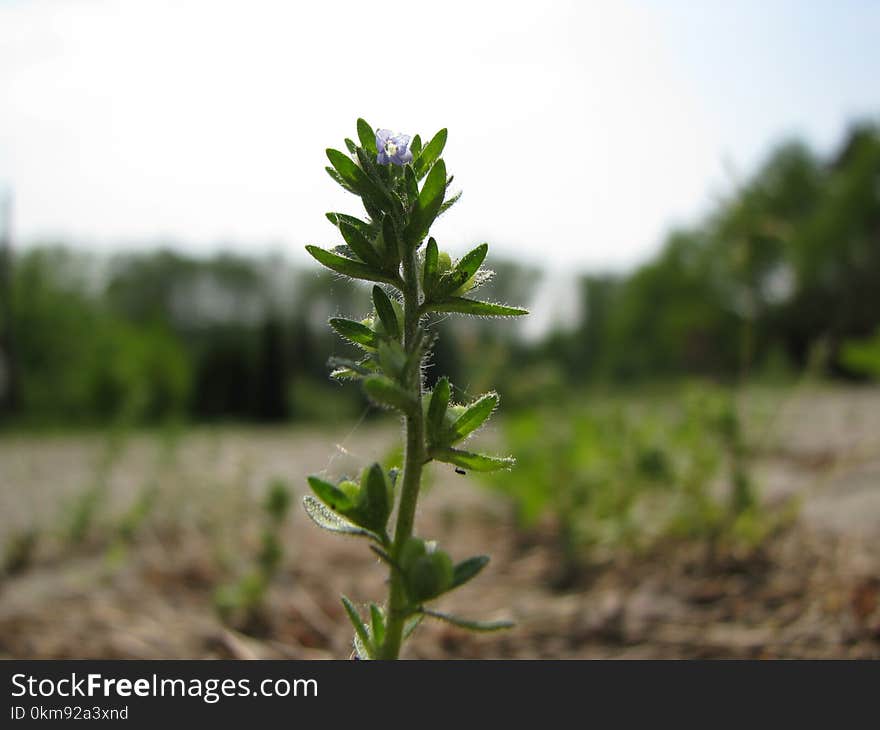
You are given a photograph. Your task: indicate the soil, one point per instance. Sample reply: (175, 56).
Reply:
(811, 590)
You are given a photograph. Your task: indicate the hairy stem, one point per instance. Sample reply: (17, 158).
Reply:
(414, 457)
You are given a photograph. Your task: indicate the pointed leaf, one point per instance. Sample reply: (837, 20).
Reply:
(449, 202)
(367, 136)
(476, 415)
(346, 168)
(377, 624)
(339, 180)
(363, 367)
(386, 312)
(429, 272)
(385, 392)
(348, 267)
(437, 407)
(345, 374)
(469, 624)
(327, 519)
(428, 206)
(392, 358)
(432, 152)
(471, 261)
(352, 147)
(473, 307)
(472, 462)
(368, 230)
(415, 145)
(377, 175)
(412, 185)
(359, 628)
(357, 179)
(377, 499)
(390, 243)
(360, 245)
(467, 569)
(330, 494)
(354, 332)
(411, 625)
(464, 271)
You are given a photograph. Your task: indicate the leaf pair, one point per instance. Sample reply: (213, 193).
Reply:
(428, 571)
(448, 424)
(369, 334)
(363, 180)
(443, 290)
(366, 505)
(351, 267)
(369, 637)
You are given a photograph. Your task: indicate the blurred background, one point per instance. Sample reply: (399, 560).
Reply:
(687, 199)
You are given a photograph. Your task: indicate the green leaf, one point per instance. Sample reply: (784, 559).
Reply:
(352, 147)
(469, 624)
(377, 176)
(472, 462)
(463, 271)
(415, 146)
(432, 152)
(478, 309)
(471, 261)
(476, 414)
(349, 267)
(347, 169)
(368, 230)
(377, 624)
(390, 244)
(386, 312)
(377, 499)
(359, 627)
(467, 569)
(363, 367)
(354, 332)
(437, 407)
(428, 205)
(360, 245)
(385, 392)
(367, 136)
(345, 374)
(412, 185)
(357, 179)
(429, 272)
(330, 494)
(449, 202)
(327, 519)
(392, 358)
(339, 180)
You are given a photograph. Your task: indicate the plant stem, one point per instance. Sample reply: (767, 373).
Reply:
(414, 457)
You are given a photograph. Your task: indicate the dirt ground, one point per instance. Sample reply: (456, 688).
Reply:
(812, 591)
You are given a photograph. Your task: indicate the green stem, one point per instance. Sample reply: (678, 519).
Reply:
(414, 458)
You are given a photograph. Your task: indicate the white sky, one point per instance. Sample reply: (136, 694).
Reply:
(579, 131)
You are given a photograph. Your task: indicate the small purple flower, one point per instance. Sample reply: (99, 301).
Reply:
(393, 148)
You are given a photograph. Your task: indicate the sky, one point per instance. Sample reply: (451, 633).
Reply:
(580, 132)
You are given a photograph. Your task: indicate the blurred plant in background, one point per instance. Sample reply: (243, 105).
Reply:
(862, 356)
(624, 472)
(241, 602)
